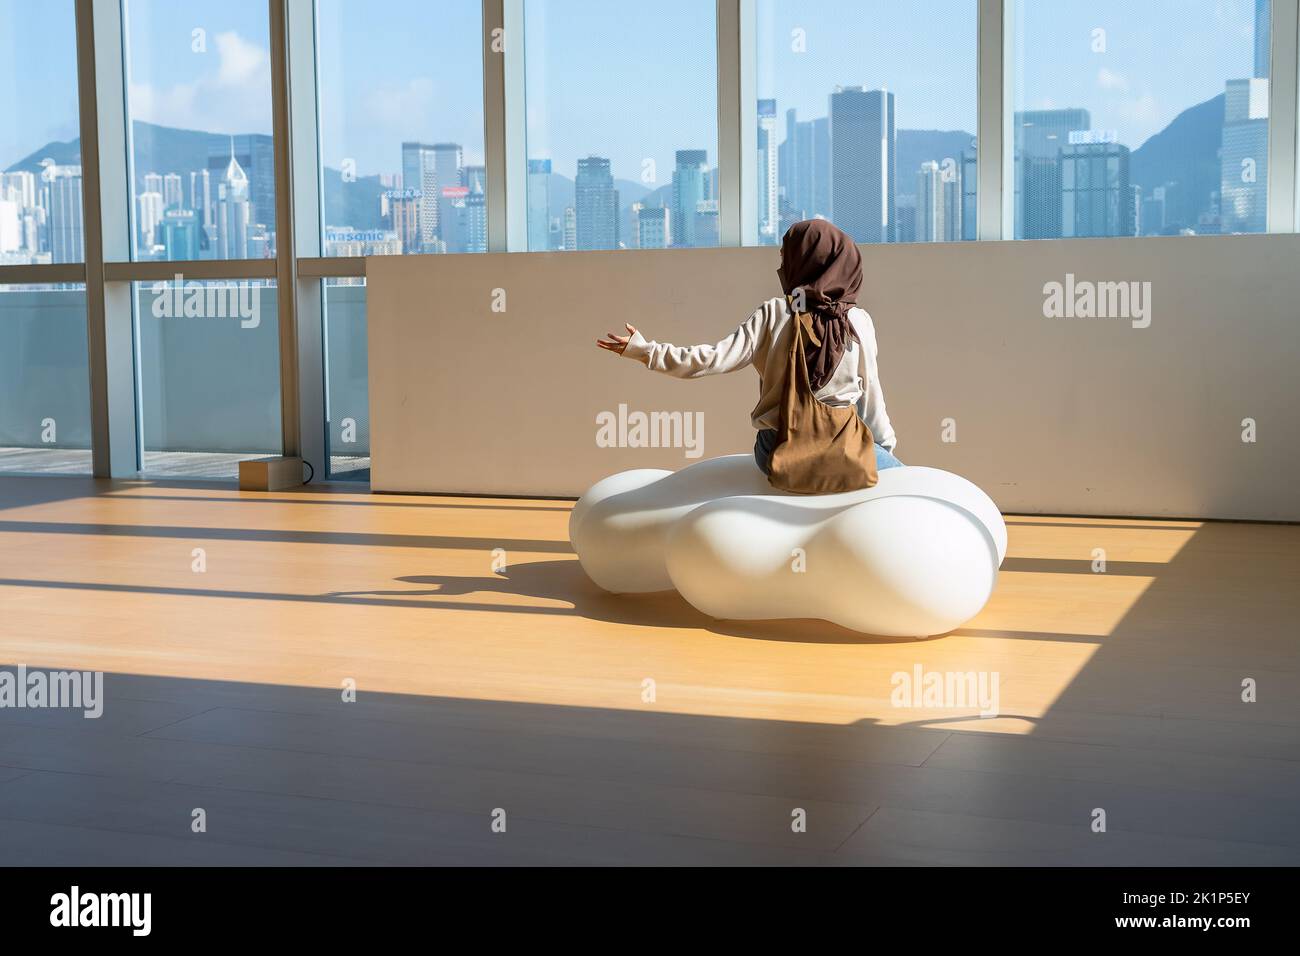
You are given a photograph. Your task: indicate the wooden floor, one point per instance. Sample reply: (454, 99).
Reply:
(526, 692)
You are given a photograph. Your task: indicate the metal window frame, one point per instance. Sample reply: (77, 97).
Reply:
(994, 136)
(40, 274)
(1284, 76)
(505, 126)
(106, 225)
(286, 250)
(200, 270)
(295, 89)
(737, 123)
(332, 267)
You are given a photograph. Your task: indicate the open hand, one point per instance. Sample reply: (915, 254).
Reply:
(616, 343)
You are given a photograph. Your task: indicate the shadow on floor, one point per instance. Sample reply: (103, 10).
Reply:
(565, 581)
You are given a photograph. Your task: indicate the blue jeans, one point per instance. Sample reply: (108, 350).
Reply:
(766, 441)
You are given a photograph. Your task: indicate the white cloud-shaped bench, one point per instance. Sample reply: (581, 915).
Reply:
(916, 555)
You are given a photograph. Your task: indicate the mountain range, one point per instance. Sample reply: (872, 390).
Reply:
(1185, 152)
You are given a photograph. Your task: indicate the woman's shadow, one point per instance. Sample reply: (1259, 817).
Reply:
(565, 582)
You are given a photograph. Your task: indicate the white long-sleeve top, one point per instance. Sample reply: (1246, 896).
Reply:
(763, 340)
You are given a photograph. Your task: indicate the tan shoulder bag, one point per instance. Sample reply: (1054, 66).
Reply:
(822, 449)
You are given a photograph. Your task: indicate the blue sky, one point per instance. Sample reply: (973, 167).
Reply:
(202, 66)
(38, 79)
(627, 80)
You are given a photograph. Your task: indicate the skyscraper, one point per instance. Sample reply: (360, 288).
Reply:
(632, 237)
(969, 191)
(786, 169)
(862, 163)
(404, 217)
(179, 233)
(821, 168)
(447, 161)
(803, 165)
(65, 214)
(569, 229)
(201, 197)
(539, 205)
(232, 211)
(20, 216)
(654, 230)
(706, 222)
(259, 242)
(150, 213)
(23, 183)
(596, 202)
(1263, 37)
(255, 153)
(690, 188)
(476, 218)
(953, 206)
(419, 174)
(929, 204)
(938, 204)
(172, 192)
(1243, 190)
(906, 218)
(1096, 198)
(1040, 135)
(769, 213)
(11, 231)
(1153, 213)
(475, 177)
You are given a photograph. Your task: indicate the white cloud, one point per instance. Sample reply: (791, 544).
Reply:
(232, 96)
(1109, 80)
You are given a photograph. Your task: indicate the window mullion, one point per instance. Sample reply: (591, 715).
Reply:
(106, 232)
(1284, 73)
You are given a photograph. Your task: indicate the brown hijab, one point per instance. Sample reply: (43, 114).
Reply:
(824, 261)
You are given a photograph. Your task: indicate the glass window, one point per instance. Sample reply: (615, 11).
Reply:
(40, 148)
(1170, 97)
(199, 108)
(209, 376)
(401, 126)
(347, 381)
(866, 116)
(622, 125)
(44, 380)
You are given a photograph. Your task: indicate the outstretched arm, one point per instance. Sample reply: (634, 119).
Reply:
(690, 361)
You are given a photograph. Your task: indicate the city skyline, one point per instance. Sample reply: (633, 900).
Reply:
(176, 218)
